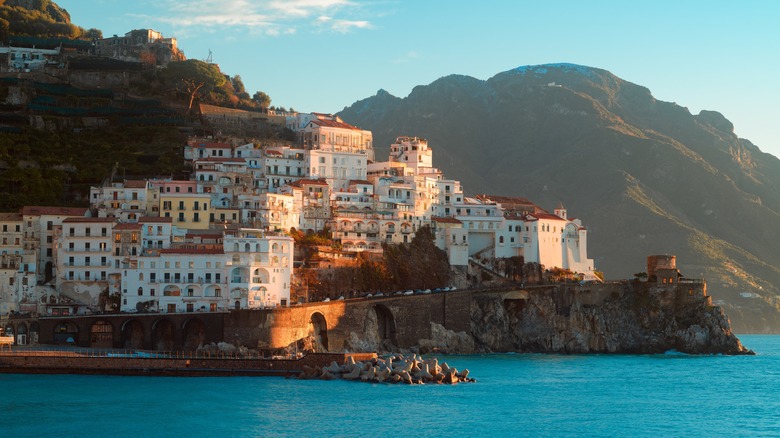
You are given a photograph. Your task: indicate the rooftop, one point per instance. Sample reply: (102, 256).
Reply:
(61, 211)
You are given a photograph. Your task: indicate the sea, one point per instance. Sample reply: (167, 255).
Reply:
(515, 395)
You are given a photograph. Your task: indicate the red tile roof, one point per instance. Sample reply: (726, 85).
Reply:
(135, 184)
(446, 220)
(61, 211)
(269, 152)
(10, 217)
(88, 219)
(334, 124)
(360, 181)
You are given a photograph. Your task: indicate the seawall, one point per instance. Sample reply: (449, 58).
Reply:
(620, 317)
(63, 362)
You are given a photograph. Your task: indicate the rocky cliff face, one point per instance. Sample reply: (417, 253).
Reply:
(630, 317)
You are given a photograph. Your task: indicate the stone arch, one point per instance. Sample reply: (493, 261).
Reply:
(101, 334)
(21, 334)
(261, 275)
(66, 333)
(213, 291)
(163, 335)
(318, 327)
(239, 274)
(194, 333)
(132, 334)
(385, 322)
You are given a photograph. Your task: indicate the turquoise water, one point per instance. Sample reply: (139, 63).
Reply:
(515, 395)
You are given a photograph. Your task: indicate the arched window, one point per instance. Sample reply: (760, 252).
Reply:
(500, 239)
(246, 247)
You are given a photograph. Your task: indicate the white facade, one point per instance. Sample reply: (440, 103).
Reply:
(249, 270)
(127, 201)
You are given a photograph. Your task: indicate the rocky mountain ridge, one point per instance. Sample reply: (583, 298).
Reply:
(645, 176)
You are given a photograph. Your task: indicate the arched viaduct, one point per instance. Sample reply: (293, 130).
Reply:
(403, 320)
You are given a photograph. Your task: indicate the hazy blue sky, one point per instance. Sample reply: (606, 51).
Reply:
(323, 55)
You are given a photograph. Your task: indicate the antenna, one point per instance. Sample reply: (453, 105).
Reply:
(209, 58)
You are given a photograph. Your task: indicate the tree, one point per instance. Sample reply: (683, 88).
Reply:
(238, 88)
(193, 78)
(261, 99)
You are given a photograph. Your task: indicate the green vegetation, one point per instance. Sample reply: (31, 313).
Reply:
(416, 265)
(196, 81)
(44, 20)
(58, 167)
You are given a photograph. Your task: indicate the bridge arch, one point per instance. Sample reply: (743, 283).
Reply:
(385, 324)
(101, 334)
(194, 333)
(318, 326)
(132, 332)
(163, 335)
(66, 332)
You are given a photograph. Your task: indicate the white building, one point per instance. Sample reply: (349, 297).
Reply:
(250, 269)
(127, 200)
(39, 225)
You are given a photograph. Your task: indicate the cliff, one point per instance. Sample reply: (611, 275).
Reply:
(626, 317)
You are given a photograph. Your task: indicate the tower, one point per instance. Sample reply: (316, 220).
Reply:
(560, 211)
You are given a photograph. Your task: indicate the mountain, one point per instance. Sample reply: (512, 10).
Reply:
(645, 176)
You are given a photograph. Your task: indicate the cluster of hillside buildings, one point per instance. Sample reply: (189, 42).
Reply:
(30, 54)
(220, 240)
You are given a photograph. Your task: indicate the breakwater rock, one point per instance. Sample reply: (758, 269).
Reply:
(391, 369)
(626, 317)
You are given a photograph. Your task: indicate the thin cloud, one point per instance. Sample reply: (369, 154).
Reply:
(272, 18)
(407, 57)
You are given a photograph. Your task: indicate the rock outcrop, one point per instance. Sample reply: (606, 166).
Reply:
(626, 317)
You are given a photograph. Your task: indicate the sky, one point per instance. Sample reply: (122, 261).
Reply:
(324, 55)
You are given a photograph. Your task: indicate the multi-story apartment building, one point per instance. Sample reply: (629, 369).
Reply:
(249, 269)
(128, 200)
(38, 226)
(338, 152)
